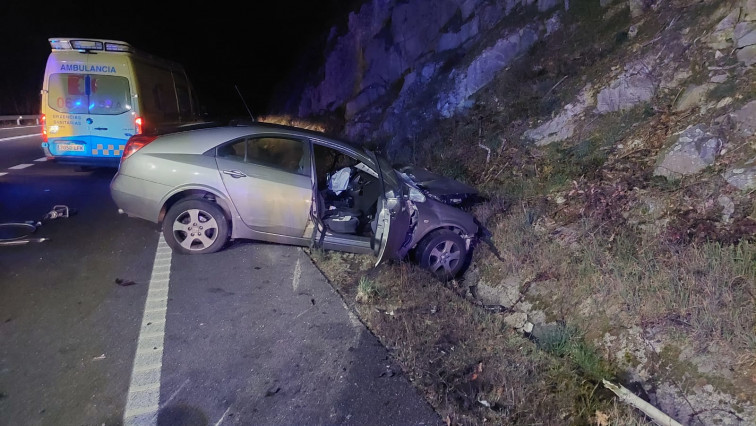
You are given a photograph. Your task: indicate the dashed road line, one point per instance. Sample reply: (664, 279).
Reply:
(3, 173)
(20, 166)
(20, 127)
(10, 138)
(41, 159)
(143, 400)
(297, 274)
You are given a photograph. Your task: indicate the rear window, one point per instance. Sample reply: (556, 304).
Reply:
(89, 94)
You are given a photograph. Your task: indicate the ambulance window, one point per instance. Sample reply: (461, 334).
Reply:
(109, 95)
(86, 93)
(68, 93)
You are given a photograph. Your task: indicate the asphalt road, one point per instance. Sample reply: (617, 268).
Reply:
(251, 335)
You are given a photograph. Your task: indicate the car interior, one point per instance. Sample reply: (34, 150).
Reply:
(348, 193)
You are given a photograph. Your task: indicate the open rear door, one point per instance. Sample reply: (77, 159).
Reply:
(392, 215)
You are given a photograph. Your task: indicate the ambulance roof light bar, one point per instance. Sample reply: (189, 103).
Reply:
(90, 44)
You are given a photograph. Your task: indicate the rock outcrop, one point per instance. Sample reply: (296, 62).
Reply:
(649, 129)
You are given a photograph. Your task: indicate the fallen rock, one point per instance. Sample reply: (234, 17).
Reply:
(505, 294)
(693, 96)
(743, 178)
(517, 320)
(728, 208)
(745, 119)
(694, 150)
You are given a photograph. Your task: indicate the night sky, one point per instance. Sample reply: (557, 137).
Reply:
(219, 44)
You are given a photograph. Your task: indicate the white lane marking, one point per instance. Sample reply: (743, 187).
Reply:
(20, 166)
(20, 127)
(297, 275)
(143, 400)
(3, 173)
(223, 417)
(17, 137)
(41, 159)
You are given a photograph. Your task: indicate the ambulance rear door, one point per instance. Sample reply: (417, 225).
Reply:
(111, 114)
(66, 109)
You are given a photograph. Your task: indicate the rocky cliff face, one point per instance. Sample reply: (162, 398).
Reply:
(606, 122)
(402, 64)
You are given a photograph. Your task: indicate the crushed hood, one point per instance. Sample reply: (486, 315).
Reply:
(442, 188)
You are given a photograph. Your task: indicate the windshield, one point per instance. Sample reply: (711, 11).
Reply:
(89, 94)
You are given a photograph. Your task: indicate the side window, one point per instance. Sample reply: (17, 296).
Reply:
(156, 90)
(185, 105)
(234, 151)
(182, 96)
(290, 155)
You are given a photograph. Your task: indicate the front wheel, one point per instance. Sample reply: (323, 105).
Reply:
(195, 227)
(442, 252)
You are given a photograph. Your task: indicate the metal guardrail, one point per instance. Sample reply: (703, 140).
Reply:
(19, 118)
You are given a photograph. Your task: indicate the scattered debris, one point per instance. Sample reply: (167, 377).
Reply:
(57, 211)
(124, 283)
(17, 233)
(98, 358)
(272, 391)
(388, 372)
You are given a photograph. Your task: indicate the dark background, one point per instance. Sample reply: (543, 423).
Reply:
(253, 44)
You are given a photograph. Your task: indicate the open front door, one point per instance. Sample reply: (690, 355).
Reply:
(315, 229)
(392, 215)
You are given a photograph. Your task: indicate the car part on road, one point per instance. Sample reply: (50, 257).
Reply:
(195, 226)
(56, 212)
(124, 283)
(443, 252)
(16, 233)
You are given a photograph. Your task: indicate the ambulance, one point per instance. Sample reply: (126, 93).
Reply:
(98, 93)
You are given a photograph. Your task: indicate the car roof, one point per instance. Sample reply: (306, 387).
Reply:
(201, 140)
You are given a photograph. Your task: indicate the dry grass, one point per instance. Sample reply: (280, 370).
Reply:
(706, 289)
(470, 365)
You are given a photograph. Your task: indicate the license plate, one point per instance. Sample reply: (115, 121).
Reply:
(71, 147)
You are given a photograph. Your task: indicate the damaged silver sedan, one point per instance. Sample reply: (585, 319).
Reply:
(292, 186)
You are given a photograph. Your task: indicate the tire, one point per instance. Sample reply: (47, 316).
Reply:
(195, 226)
(443, 253)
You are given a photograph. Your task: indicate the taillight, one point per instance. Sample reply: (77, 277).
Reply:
(138, 125)
(44, 128)
(134, 144)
